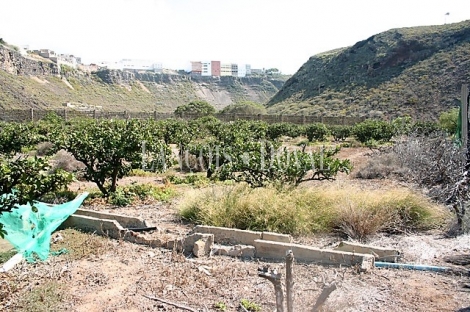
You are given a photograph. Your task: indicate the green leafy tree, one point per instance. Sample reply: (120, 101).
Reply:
(316, 132)
(25, 179)
(107, 148)
(16, 136)
(199, 108)
(340, 133)
(245, 108)
(448, 120)
(373, 130)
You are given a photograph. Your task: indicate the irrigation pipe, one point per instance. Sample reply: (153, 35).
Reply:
(418, 267)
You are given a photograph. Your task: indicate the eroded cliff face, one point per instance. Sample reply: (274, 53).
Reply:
(14, 63)
(25, 83)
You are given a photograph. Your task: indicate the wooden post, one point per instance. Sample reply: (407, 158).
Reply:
(290, 281)
(464, 121)
(155, 116)
(65, 114)
(94, 114)
(275, 279)
(32, 114)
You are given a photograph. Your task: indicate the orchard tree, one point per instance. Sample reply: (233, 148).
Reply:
(107, 148)
(199, 108)
(245, 108)
(25, 179)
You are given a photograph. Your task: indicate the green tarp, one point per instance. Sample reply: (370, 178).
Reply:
(30, 232)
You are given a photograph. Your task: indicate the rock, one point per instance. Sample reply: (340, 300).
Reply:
(187, 243)
(243, 251)
(199, 248)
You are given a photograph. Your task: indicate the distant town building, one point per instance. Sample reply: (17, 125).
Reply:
(206, 68)
(136, 64)
(196, 68)
(215, 68)
(218, 69)
(59, 59)
(133, 65)
(226, 69)
(234, 70)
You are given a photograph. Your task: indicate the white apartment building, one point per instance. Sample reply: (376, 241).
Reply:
(206, 68)
(136, 64)
(225, 69)
(241, 70)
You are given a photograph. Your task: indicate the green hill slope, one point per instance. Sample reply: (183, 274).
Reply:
(416, 71)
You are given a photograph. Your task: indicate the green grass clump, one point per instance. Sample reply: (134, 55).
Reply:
(351, 211)
(46, 297)
(127, 195)
(250, 306)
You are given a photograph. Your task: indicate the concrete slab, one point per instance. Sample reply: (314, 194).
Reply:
(229, 236)
(275, 237)
(276, 250)
(380, 253)
(124, 221)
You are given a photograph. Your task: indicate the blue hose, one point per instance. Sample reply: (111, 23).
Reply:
(419, 267)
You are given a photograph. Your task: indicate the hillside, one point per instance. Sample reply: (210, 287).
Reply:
(416, 71)
(27, 82)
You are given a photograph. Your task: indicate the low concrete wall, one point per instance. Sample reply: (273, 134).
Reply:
(380, 253)
(240, 237)
(104, 227)
(276, 250)
(229, 236)
(124, 221)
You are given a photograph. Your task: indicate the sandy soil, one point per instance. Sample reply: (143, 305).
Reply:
(119, 274)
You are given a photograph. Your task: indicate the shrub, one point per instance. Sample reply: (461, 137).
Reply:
(277, 130)
(45, 149)
(199, 108)
(352, 211)
(373, 130)
(244, 108)
(380, 166)
(127, 195)
(316, 132)
(448, 120)
(29, 179)
(65, 161)
(340, 133)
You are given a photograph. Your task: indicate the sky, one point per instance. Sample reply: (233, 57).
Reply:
(279, 34)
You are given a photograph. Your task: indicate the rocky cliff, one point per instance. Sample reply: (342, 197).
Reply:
(27, 82)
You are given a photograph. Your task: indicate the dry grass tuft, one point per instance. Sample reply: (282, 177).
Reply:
(65, 161)
(354, 212)
(79, 245)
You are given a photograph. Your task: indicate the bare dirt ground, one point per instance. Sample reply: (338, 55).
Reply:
(114, 275)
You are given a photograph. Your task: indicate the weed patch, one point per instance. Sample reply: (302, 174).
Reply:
(353, 212)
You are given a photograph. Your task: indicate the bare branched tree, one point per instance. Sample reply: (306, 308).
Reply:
(436, 163)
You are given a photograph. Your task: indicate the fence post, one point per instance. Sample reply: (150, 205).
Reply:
(65, 114)
(155, 115)
(94, 114)
(32, 114)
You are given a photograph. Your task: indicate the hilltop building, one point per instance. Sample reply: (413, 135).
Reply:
(218, 69)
